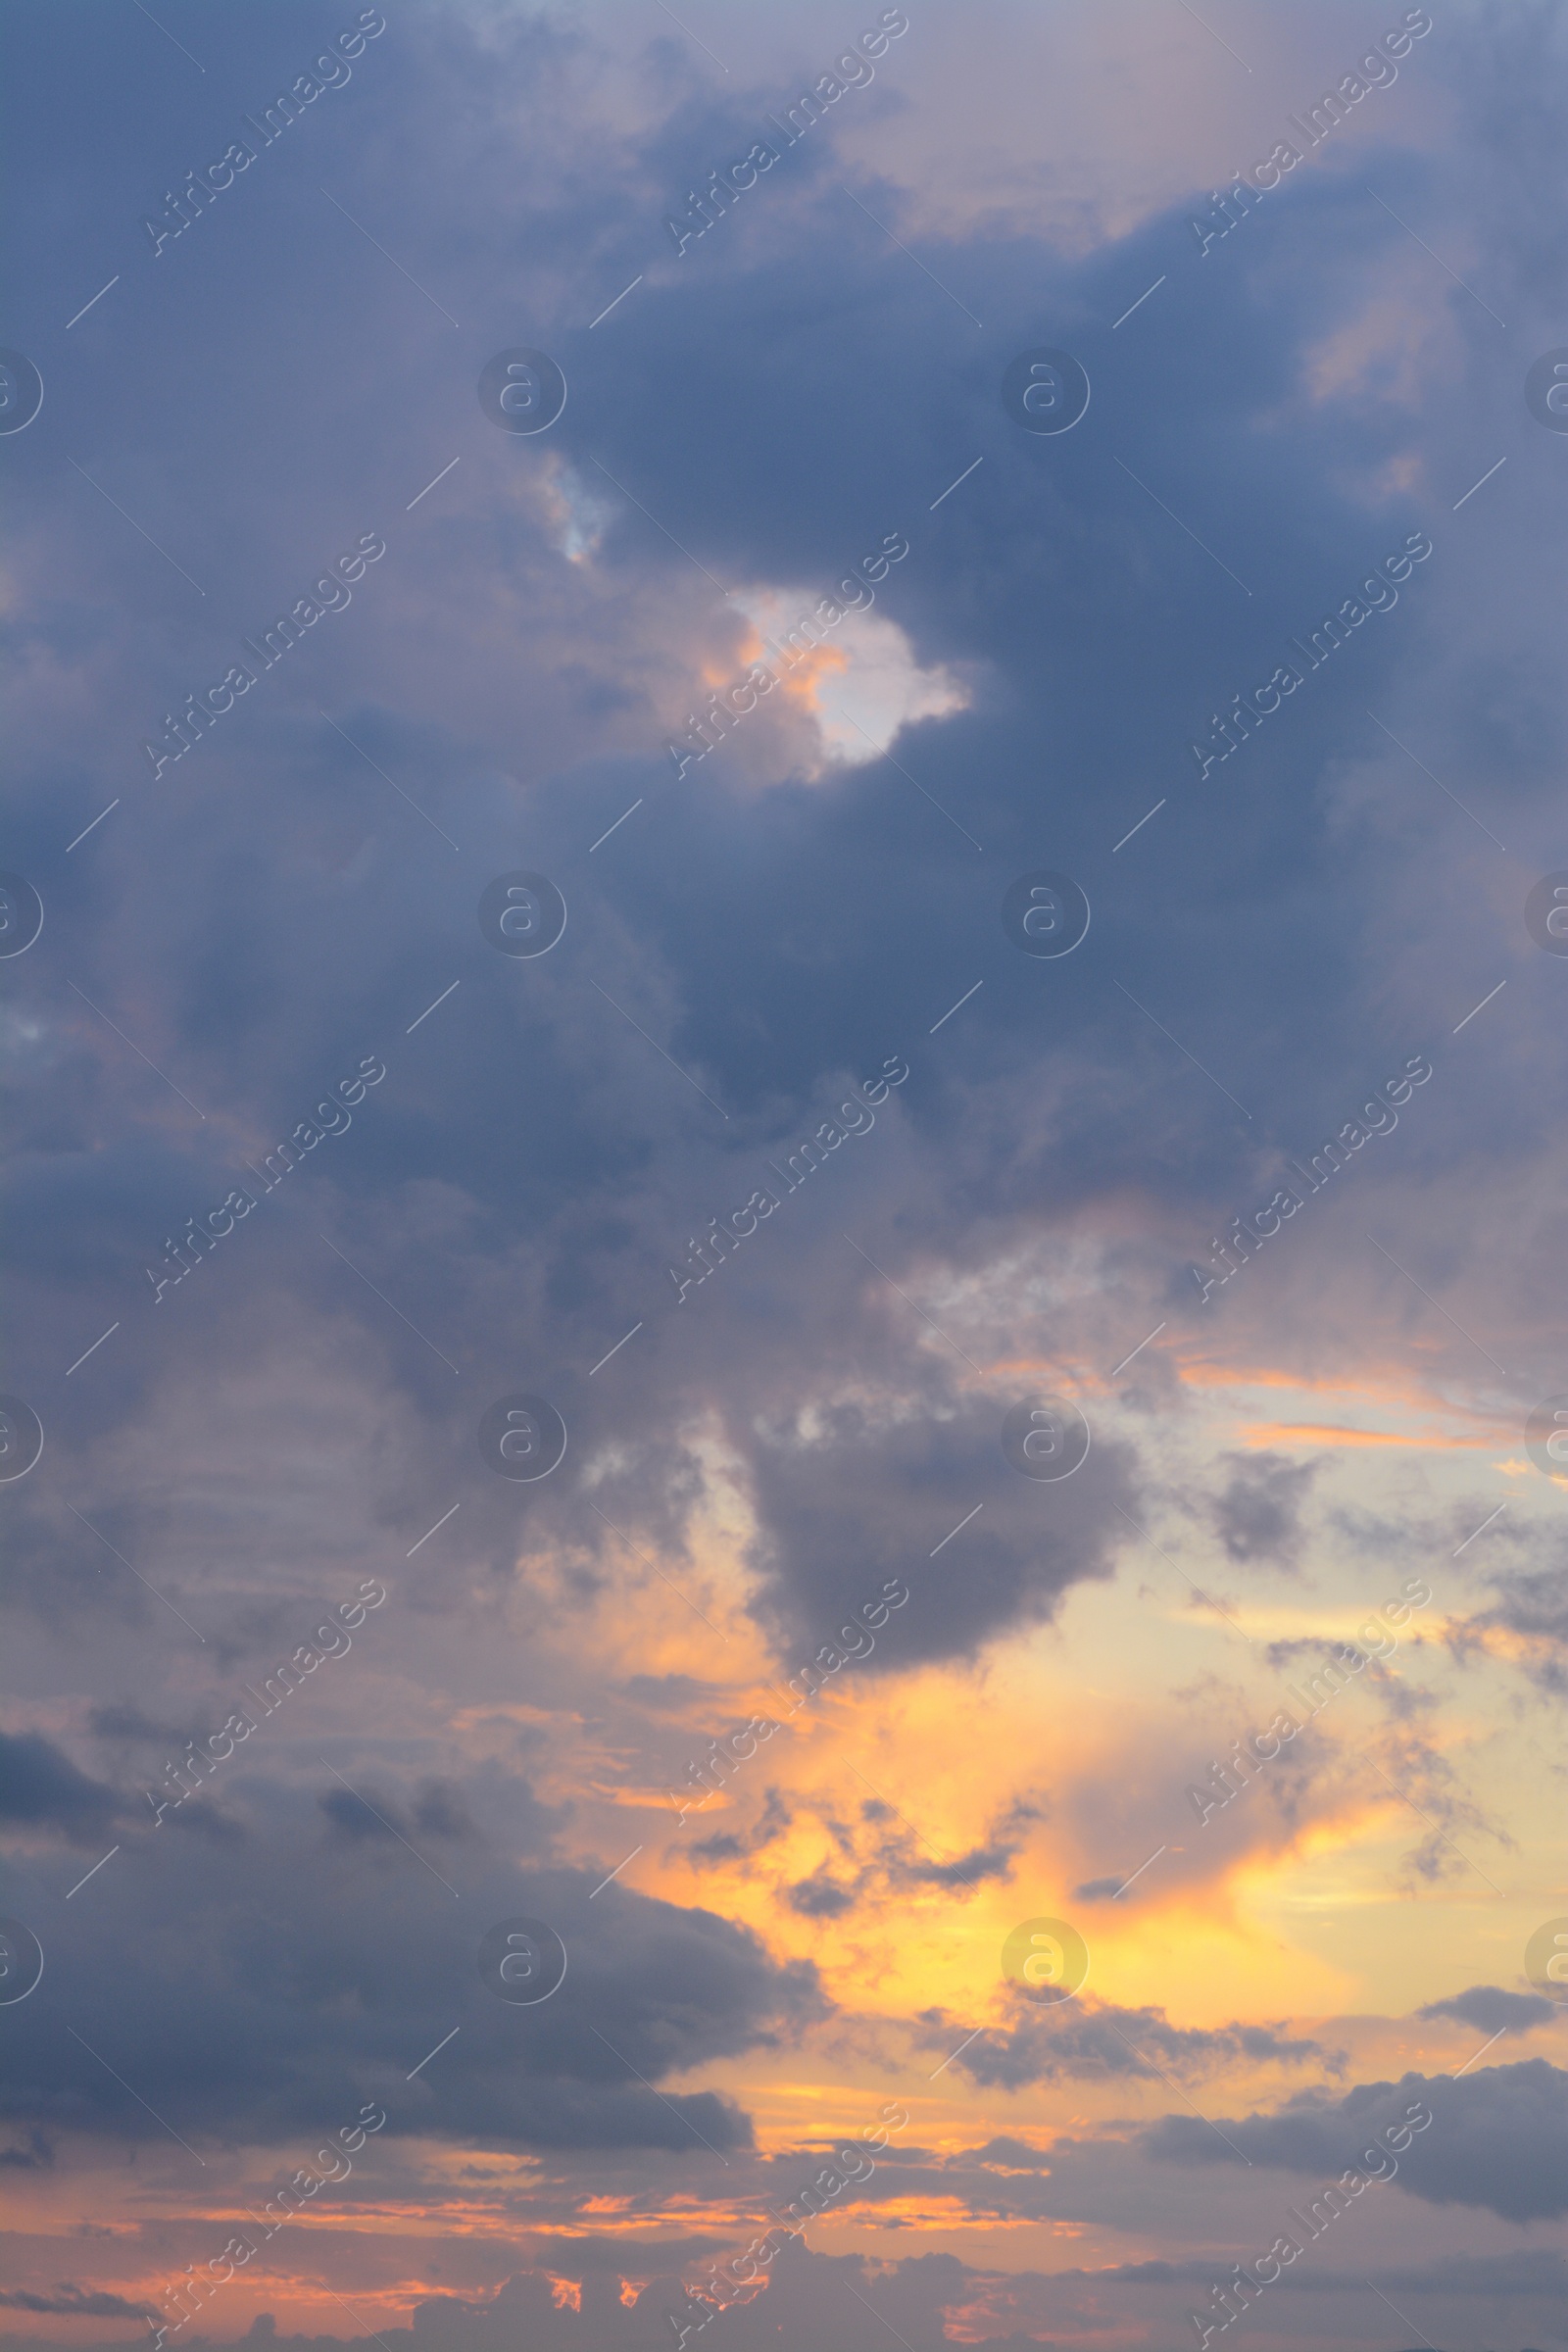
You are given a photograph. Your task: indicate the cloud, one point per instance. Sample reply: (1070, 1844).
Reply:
(1531, 1616)
(75, 2302)
(860, 1496)
(728, 1846)
(746, 941)
(306, 1975)
(1491, 2010)
(1015, 2154)
(876, 1858)
(40, 1787)
(1098, 2040)
(819, 1897)
(438, 1811)
(1257, 1517)
(1498, 2138)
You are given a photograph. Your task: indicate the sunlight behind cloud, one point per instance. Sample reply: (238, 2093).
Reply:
(860, 682)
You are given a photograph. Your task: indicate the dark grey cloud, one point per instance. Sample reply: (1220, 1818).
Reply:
(1014, 2153)
(1499, 2138)
(75, 2302)
(1092, 2041)
(1491, 2010)
(863, 1499)
(438, 1811)
(821, 1896)
(39, 1786)
(269, 1982)
(730, 1845)
(1259, 1515)
(908, 1861)
(1529, 1605)
(880, 1856)
(33, 2152)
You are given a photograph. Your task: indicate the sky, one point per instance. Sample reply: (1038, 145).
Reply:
(783, 1538)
